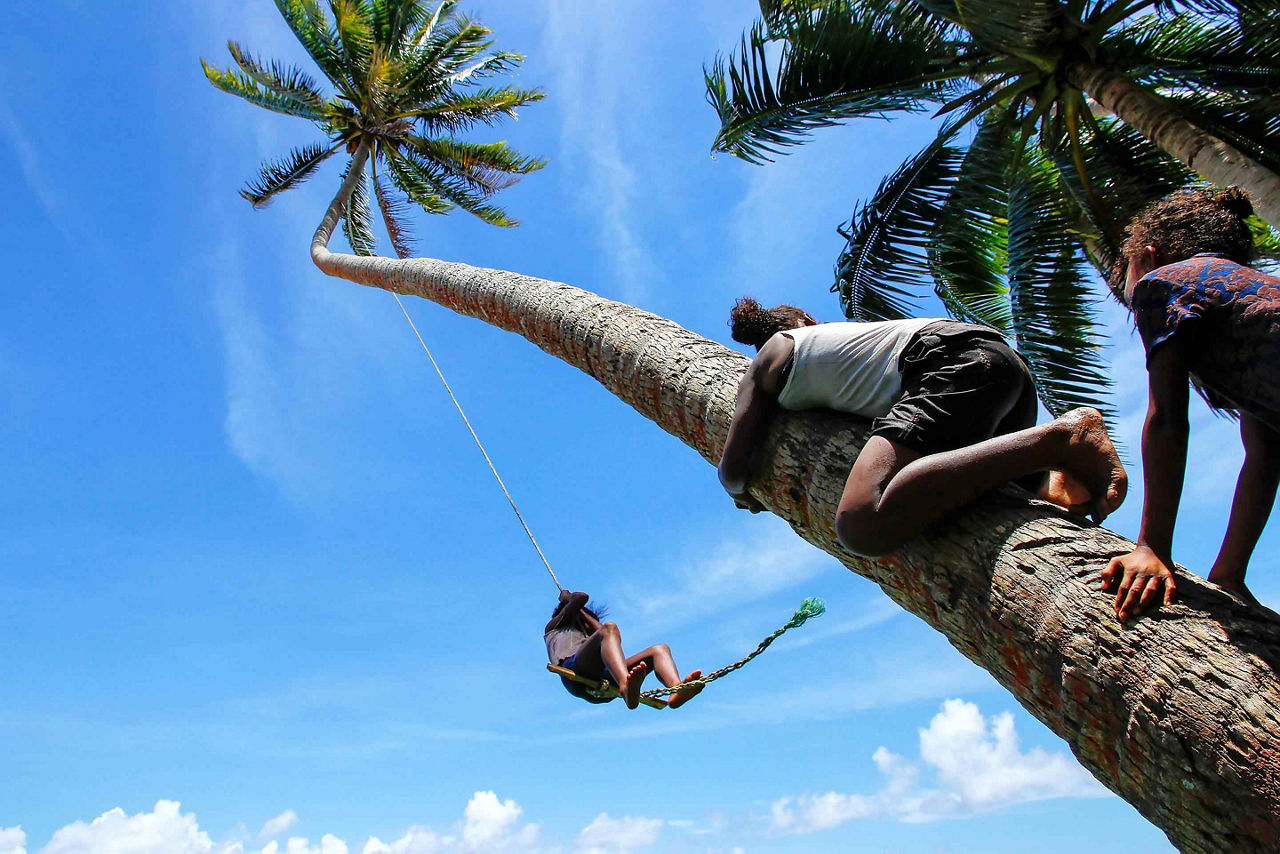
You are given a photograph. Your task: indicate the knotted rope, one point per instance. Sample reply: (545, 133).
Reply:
(808, 609)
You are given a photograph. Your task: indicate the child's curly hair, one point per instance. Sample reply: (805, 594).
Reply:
(750, 323)
(1187, 223)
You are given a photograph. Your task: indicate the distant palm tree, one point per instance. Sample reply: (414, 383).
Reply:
(1024, 186)
(406, 79)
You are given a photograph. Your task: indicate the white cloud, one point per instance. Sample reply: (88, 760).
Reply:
(488, 824)
(278, 825)
(164, 830)
(488, 821)
(629, 833)
(977, 766)
(12, 840)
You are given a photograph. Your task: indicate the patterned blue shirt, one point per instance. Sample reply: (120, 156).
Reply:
(1227, 320)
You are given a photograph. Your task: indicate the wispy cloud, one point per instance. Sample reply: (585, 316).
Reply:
(589, 45)
(12, 840)
(277, 825)
(761, 556)
(606, 834)
(974, 764)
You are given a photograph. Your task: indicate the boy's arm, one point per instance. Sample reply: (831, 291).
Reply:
(1255, 493)
(757, 394)
(1143, 571)
(567, 615)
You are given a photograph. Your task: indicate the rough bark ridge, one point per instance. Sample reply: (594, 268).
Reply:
(1178, 713)
(1218, 162)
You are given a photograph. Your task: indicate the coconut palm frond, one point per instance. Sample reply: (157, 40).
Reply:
(395, 216)
(967, 254)
(284, 80)
(838, 64)
(311, 28)
(1053, 318)
(244, 86)
(357, 220)
(276, 176)
(884, 266)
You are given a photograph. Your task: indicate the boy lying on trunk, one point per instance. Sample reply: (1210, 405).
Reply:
(954, 411)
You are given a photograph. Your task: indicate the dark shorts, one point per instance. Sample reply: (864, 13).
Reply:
(961, 384)
(577, 689)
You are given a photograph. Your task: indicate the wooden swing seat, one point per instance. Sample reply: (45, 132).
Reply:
(602, 687)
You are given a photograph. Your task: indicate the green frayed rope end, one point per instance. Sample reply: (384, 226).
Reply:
(813, 607)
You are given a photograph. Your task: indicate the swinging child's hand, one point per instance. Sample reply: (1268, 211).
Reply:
(746, 501)
(1139, 575)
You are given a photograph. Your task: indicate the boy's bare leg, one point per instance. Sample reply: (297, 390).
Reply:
(893, 493)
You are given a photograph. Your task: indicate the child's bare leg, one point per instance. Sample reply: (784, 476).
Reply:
(635, 682)
(659, 659)
(893, 493)
(683, 696)
(603, 652)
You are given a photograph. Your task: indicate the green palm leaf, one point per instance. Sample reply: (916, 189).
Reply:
(843, 61)
(244, 86)
(418, 190)
(274, 177)
(394, 216)
(311, 28)
(1052, 318)
(881, 270)
(283, 80)
(357, 220)
(968, 254)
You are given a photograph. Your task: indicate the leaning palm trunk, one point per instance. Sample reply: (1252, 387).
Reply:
(1215, 160)
(1177, 713)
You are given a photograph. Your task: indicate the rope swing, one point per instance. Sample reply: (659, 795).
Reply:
(808, 609)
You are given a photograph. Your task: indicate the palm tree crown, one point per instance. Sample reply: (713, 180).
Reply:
(1025, 184)
(407, 79)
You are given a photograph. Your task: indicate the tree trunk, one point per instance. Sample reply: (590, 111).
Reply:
(1178, 713)
(1217, 161)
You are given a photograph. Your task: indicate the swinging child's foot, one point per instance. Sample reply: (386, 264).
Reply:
(635, 681)
(684, 695)
(1092, 459)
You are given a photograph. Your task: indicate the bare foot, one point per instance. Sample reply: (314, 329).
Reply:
(1092, 459)
(635, 680)
(684, 695)
(1064, 490)
(1238, 589)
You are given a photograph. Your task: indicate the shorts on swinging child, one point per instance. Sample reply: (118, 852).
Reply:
(584, 692)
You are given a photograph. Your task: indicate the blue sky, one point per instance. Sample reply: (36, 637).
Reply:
(260, 592)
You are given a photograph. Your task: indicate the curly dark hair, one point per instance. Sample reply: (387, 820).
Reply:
(750, 323)
(1187, 223)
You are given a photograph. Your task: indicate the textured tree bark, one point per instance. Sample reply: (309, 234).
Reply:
(1178, 713)
(1216, 160)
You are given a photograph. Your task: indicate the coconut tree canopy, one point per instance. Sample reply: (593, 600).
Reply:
(408, 78)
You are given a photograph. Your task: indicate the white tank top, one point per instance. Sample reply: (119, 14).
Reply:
(849, 367)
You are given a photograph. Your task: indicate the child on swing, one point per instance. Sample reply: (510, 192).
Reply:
(578, 641)
(1204, 317)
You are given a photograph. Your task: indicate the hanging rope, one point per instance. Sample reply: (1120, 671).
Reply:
(467, 422)
(808, 609)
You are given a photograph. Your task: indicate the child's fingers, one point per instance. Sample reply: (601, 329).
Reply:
(1149, 595)
(1169, 589)
(1131, 606)
(1115, 566)
(1123, 591)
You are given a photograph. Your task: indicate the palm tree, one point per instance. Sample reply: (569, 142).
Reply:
(1024, 186)
(1180, 715)
(406, 80)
